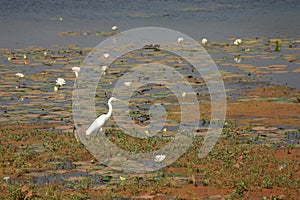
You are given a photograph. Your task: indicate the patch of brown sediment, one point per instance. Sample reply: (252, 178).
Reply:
(273, 91)
(200, 192)
(40, 141)
(264, 112)
(272, 105)
(288, 155)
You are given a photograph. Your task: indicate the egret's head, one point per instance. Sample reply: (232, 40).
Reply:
(113, 99)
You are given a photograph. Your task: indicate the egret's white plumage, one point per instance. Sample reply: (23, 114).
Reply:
(100, 121)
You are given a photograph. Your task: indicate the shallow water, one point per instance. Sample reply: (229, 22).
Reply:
(32, 99)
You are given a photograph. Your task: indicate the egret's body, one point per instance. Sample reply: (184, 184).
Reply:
(100, 121)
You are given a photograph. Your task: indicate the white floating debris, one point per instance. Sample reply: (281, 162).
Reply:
(159, 158)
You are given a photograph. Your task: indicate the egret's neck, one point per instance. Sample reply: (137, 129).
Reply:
(109, 109)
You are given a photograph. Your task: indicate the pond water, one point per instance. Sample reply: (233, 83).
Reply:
(25, 22)
(67, 31)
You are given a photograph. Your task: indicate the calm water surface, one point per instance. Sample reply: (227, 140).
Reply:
(26, 22)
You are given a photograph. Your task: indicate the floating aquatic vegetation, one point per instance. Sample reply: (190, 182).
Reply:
(277, 45)
(104, 33)
(72, 33)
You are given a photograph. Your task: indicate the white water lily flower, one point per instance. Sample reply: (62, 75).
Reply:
(237, 42)
(104, 68)
(159, 158)
(180, 40)
(204, 41)
(127, 84)
(76, 70)
(20, 75)
(60, 82)
(106, 55)
(237, 59)
(114, 28)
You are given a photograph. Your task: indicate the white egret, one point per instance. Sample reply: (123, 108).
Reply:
(100, 121)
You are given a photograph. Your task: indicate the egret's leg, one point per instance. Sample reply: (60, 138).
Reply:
(100, 130)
